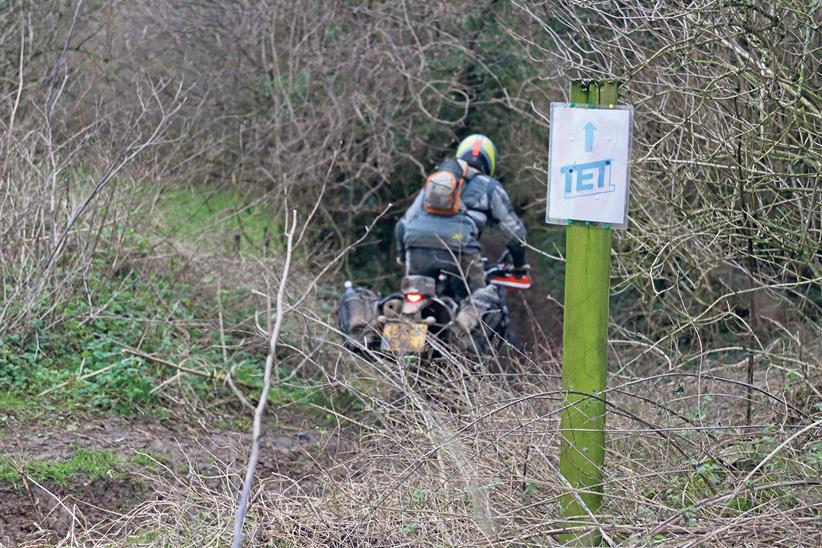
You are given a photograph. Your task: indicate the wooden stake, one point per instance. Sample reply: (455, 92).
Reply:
(585, 341)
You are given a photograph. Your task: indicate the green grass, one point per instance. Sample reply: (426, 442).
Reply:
(64, 359)
(150, 460)
(19, 404)
(221, 215)
(79, 363)
(8, 471)
(94, 464)
(147, 538)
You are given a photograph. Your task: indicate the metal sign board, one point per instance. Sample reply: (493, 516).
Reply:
(588, 157)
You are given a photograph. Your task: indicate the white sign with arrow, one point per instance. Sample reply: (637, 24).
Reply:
(588, 158)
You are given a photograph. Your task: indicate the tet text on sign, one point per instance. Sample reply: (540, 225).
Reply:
(588, 164)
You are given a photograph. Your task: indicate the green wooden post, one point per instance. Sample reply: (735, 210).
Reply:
(584, 340)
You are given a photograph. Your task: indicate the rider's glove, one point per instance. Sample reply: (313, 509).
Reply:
(517, 255)
(400, 261)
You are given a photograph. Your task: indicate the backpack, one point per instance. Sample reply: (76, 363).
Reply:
(444, 186)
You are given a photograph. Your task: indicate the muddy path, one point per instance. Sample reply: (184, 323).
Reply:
(36, 510)
(536, 315)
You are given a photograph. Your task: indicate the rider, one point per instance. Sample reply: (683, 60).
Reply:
(428, 244)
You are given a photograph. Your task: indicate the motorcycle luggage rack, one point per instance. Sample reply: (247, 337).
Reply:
(419, 284)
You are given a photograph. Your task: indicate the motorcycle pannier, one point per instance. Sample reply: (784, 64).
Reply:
(357, 314)
(443, 188)
(480, 316)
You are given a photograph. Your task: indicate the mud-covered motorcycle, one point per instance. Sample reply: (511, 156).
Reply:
(430, 315)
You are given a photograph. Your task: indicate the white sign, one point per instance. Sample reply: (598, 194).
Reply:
(588, 160)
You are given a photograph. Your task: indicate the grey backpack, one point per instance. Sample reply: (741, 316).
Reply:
(444, 186)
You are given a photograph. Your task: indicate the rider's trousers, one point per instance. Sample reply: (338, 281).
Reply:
(421, 261)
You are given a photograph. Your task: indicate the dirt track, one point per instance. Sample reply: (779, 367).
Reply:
(30, 512)
(537, 319)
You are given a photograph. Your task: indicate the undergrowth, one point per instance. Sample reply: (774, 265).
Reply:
(82, 362)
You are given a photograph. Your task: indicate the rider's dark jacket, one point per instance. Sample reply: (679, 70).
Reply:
(483, 201)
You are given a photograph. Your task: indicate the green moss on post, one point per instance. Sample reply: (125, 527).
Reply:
(584, 371)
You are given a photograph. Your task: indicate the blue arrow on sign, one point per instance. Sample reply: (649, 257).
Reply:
(589, 130)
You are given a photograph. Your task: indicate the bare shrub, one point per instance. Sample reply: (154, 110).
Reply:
(721, 263)
(470, 459)
(63, 180)
(714, 383)
(282, 88)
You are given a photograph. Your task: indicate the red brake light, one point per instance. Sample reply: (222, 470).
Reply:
(413, 297)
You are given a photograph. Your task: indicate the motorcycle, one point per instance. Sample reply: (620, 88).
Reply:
(429, 315)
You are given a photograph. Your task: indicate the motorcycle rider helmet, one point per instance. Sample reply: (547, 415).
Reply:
(479, 152)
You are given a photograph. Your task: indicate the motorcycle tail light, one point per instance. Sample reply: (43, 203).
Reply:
(413, 297)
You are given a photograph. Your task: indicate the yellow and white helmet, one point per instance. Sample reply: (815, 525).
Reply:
(479, 152)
